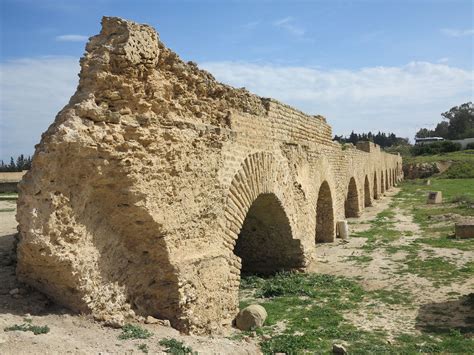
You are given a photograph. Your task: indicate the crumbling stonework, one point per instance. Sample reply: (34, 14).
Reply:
(156, 186)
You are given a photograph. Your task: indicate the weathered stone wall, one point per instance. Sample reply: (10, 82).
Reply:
(156, 184)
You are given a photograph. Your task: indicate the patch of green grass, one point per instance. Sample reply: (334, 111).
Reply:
(437, 269)
(452, 342)
(459, 156)
(459, 170)
(305, 315)
(28, 327)
(360, 259)
(391, 296)
(173, 346)
(143, 348)
(446, 241)
(130, 331)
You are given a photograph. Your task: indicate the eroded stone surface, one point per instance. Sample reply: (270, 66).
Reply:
(140, 188)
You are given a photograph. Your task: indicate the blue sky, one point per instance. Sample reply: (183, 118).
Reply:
(365, 65)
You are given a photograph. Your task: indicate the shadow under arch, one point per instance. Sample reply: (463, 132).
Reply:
(265, 244)
(351, 204)
(324, 215)
(376, 193)
(367, 200)
(382, 183)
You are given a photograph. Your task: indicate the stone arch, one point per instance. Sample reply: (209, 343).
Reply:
(382, 183)
(258, 226)
(324, 215)
(376, 193)
(351, 204)
(367, 200)
(265, 243)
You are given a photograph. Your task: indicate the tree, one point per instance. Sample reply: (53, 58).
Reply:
(460, 121)
(424, 132)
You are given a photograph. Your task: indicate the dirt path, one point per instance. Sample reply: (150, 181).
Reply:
(70, 333)
(430, 303)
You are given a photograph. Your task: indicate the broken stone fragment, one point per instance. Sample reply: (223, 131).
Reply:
(464, 229)
(115, 321)
(251, 317)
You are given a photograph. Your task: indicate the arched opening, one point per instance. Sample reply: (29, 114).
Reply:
(351, 205)
(324, 215)
(376, 193)
(265, 244)
(386, 180)
(367, 201)
(382, 183)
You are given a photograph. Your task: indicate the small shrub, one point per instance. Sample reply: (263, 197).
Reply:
(464, 199)
(460, 170)
(25, 327)
(435, 148)
(143, 348)
(174, 346)
(130, 331)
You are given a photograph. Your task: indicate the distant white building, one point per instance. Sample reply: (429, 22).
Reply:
(421, 141)
(464, 142)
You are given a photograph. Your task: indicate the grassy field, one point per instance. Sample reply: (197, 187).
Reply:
(311, 312)
(462, 163)
(460, 156)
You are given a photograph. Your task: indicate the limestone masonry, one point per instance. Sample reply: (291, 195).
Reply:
(156, 187)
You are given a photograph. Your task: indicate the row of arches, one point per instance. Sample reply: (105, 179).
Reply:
(264, 242)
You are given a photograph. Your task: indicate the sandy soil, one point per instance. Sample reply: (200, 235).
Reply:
(78, 334)
(71, 333)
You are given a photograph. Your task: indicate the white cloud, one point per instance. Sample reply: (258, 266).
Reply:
(32, 91)
(72, 38)
(453, 32)
(288, 24)
(399, 99)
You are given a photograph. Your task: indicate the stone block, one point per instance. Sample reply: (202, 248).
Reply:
(464, 229)
(434, 197)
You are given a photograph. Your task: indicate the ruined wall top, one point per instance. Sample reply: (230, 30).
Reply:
(129, 76)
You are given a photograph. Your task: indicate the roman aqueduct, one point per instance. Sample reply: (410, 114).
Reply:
(157, 186)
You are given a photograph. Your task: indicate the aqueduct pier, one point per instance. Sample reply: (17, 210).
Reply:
(156, 187)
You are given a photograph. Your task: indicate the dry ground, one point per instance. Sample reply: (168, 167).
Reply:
(376, 268)
(431, 303)
(70, 333)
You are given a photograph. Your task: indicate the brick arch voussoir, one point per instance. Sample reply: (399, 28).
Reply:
(258, 174)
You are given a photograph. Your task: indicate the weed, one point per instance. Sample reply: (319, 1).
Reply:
(143, 348)
(360, 259)
(130, 331)
(173, 346)
(27, 326)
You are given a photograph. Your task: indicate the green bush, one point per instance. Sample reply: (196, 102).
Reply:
(435, 148)
(174, 346)
(25, 327)
(130, 331)
(460, 170)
